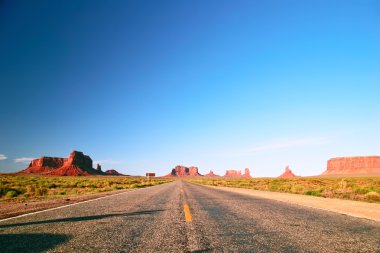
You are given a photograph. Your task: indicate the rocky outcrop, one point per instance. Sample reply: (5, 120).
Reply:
(182, 171)
(113, 173)
(233, 173)
(44, 165)
(287, 174)
(237, 174)
(211, 174)
(77, 164)
(247, 174)
(358, 165)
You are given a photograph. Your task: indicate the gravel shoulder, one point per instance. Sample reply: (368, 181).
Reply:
(358, 209)
(12, 209)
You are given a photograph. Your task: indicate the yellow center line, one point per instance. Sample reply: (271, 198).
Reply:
(182, 190)
(186, 209)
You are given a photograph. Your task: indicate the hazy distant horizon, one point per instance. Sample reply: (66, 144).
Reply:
(143, 86)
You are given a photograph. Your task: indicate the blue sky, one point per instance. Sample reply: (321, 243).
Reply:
(145, 85)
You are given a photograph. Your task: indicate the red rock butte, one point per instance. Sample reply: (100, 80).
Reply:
(182, 171)
(211, 174)
(358, 165)
(77, 164)
(237, 174)
(287, 173)
(113, 173)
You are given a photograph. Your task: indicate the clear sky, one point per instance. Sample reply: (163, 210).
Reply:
(142, 86)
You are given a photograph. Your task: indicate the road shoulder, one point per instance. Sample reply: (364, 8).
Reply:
(358, 209)
(13, 209)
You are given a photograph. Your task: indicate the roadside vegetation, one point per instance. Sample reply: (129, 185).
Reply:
(362, 189)
(30, 188)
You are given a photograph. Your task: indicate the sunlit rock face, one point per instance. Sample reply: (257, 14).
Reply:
(77, 164)
(358, 165)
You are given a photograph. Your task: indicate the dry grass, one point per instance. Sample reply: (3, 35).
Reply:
(29, 188)
(362, 189)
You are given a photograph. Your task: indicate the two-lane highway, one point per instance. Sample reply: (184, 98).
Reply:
(184, 217)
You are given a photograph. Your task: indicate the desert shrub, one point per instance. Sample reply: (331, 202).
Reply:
(11, 193)
(313, 193)
(342, 185)
(373, 196)
(41, 191)
(51, 185)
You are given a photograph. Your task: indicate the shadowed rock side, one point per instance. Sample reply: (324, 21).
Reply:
(77, 164)
(287, 174)
(237, 174)
(211, 174)
(182, 171)
(359, 165)
(113, 173)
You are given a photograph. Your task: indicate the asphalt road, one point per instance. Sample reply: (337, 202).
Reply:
(183, 217)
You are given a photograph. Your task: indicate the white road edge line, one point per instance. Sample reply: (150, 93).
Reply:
(59, 207)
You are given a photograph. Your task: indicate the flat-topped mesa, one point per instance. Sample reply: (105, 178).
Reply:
(44, 165)
(182, 171)
(357, 165)
(211, 174)
(287, 173)
(233, 173)
(238, 174)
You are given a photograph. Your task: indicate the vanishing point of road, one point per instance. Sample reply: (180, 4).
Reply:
(185, 217)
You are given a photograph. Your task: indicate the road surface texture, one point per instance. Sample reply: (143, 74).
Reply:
(184, 217)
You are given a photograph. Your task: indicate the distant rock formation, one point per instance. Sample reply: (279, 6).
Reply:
(113, 173)
(247, 174)
(77, 164)
(358, 165)
(211, 174)
(232, 173)
(237, 174)
(182, 171)
(288, 173)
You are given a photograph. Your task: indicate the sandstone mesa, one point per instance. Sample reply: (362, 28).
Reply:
(77, 164)
(356, 165)
(238, 174)
(182, 171)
